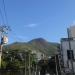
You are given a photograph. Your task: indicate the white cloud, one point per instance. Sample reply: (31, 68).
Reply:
(31, 25)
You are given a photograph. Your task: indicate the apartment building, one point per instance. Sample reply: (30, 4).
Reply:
(68, 51)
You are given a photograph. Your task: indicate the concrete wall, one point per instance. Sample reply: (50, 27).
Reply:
(72, 31)
(64, 48)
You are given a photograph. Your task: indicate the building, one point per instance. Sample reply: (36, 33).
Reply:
(68, 54)
(68, 51)
(72, 32)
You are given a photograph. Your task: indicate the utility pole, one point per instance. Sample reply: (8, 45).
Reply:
(56, 65)
(0, 54)
(36, 69)
(3, 32)
(25, 63)
(29, 65)
(69, 40)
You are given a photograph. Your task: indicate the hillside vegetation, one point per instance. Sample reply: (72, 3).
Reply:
(15, 55)
(39, 45)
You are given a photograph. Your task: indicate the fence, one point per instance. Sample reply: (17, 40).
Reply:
(15, 72)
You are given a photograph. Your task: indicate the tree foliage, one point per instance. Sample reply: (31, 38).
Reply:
(16, 59)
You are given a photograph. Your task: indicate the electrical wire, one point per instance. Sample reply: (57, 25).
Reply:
(2, 17)
(5, 12)
(7, 25)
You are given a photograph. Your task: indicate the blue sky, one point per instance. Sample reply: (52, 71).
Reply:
(31, 19)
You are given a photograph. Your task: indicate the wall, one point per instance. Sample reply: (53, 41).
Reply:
(64, 48)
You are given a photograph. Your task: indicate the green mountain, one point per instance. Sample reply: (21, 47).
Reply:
(38, 45)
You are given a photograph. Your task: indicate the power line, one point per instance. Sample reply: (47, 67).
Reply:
(2, 16)
(5, 12)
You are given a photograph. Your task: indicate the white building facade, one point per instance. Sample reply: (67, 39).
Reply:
(68, 51)
(68, 54)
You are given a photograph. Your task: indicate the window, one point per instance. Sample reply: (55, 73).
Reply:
(70, 54)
